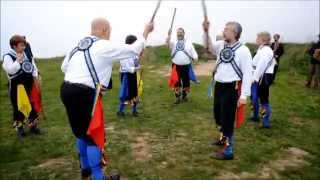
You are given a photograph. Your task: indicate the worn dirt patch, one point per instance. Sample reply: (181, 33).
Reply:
(201, 69)
(109, 127)
(291, 158)
(204, 69)
(57, 162)
(141, 149)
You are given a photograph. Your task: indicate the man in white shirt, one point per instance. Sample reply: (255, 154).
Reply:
(129, 86)
(182, 55)
(232, 67)
(89, 64)
(263, 64)
(21, 71)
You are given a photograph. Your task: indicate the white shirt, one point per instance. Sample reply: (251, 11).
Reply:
(181, 58)
(103, 54)
(261, 62)
(225, 72)
(129, 65)
(12, 67)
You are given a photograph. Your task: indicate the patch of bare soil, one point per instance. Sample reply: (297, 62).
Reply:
(201, 69)
(141, 149)
(56, 162)
(291, 158)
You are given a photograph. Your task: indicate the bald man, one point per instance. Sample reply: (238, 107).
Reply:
(88, 64)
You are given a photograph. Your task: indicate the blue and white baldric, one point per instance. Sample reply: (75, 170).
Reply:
(84, 46)
(26, 65)
(180, 46)
(227, 55)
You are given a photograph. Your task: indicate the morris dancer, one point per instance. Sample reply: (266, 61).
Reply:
(182, 55)
(129, 85)
(85, 67)
(233, 66)
(22, 73)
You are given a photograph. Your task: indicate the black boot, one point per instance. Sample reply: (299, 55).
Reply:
(220, 142)
(35, 130)
(178, 95)
(120, 114)
(20, 132)
(135, 114)
(114, 175)
(85, 173)
(184, 96)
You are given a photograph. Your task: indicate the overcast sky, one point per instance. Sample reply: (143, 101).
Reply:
(55, 27)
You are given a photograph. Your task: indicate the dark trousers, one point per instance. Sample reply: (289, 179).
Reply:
(132, 85)
(225, 105)
(78, 100)
(27, 81)
(183, 73)
(263, 88)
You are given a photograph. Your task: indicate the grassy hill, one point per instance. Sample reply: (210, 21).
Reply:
(171, 142)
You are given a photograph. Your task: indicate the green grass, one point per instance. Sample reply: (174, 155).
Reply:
(177, 136)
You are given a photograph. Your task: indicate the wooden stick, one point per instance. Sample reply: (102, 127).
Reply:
(155, 11)
(172, 20)
(204, 8)
(205, 14)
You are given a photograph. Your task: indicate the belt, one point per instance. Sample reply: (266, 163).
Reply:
(78, 85)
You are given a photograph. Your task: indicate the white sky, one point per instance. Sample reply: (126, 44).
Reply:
(54, 27)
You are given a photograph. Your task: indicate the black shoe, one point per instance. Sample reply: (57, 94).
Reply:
(120, 114)
(185, 99)
(220, 142)
(135, 114)
(114, 175)
(178, 101)
(85, 173)
(264, 127)
(35, 130)
(254, 119)
(20, 132)
(221, 156)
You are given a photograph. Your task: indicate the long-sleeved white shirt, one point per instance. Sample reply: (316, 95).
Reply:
(129, 65)
(103, 54)
(225, 72)
(261, 62)
(12, 67)
(181, 58)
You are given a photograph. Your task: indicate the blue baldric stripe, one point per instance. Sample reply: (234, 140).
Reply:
(91, 68)
(264, 72)
(89, 62)
(234, 65)
(183, 50)
(76, 49)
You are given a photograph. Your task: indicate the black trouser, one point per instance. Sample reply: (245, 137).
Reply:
(263, 88)
(225, 105)
(78, 100)
(27, 81)
(183, 73)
